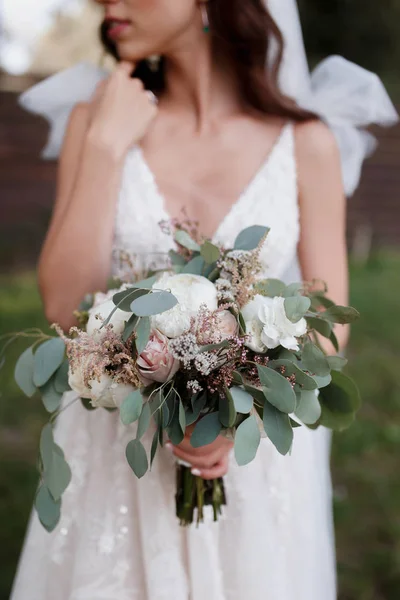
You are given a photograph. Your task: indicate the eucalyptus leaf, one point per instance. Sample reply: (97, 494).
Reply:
(194, 266)
(308, 408)
(131, 408)
(137, 458)
(165, 418)
(321, 300)
(206, 431)
(48, 358)
(278, 428)
(197, 406)
(49, 510)
(144, 421)
(296, 307)
(321, 326)
(50, 397)
(271, 287)
(46, 446)
(339, 401)
(177, 259)
(124, 299)
(250, 238)
(247, 441)
(337, 363)
(175, 431)
(153, 304)
(291, 368)
(23, 372)
(184, 239)
(154, 445)
(255, 393)
(227, 411)
(314, 360)
(210, 252)
(322, 381)
(58, 476)
(341, 314)
(146, 284)
(277, 389)
(334, 341)
(293, 289)
(61, 378)
(143, 331)
(130, 327)
(243, 401)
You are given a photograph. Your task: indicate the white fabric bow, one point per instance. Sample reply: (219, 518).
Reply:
(55, 97)
(349, 99)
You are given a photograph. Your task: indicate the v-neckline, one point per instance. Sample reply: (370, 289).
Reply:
(150, 176)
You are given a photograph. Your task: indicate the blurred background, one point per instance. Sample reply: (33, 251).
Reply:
(39, 38)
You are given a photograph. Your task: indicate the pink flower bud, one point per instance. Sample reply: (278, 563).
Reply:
(227, 324)
(156, 362)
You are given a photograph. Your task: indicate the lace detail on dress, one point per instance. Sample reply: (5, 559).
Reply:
(119, 538)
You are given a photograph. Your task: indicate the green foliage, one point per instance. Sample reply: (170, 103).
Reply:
(247, 441)
(296, 307)
(250, 238)
(137, 458)
(131, 408)
(47, 359)
(153, 304)
(184, 239)
(143, 333)
(314, 360)
(210, 252)
(243, 401)
(277, 389)
(206, 431)
(194, 266)
(278, 428)
(24, 373)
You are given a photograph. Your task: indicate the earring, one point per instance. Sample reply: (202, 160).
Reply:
(154, 62)
(206, 20)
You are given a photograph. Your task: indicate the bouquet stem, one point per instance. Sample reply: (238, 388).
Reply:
(194, 493)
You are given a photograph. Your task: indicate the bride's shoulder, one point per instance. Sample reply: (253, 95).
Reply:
(318, 160)
(315, 142)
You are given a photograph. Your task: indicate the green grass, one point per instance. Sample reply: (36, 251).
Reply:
(365, 458)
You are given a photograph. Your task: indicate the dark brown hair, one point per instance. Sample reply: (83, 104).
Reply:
(244, 31)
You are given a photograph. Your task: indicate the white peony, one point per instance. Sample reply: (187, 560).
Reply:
(103, 393)
(268, 325)
(191, 291)
(104, 310)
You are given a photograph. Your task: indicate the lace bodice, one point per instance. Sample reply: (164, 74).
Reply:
(270, 199)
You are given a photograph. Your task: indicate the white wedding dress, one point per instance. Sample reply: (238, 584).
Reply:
(119, 538)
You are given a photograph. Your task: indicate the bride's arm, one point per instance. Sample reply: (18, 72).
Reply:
(76, 256)
(322, 247)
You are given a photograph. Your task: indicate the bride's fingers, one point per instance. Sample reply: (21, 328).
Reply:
(218, 470)
(126, 67)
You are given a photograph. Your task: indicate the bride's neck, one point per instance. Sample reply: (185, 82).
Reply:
(200, 83)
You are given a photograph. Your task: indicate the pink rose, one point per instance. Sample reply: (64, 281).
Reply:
(156, 363)
(227, 324)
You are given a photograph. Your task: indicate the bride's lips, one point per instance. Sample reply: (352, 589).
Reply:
(116, 28)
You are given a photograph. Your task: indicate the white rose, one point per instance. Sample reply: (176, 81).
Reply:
(191, 291)
(253, 324)
(268, 325)
(103, 393)
(104, 310)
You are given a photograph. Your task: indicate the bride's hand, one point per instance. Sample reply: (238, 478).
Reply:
(209, 462)
(121, 111)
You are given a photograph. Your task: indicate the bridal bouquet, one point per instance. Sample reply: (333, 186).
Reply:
(205, 343)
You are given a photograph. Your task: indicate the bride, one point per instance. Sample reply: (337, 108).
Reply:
(217, 137)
